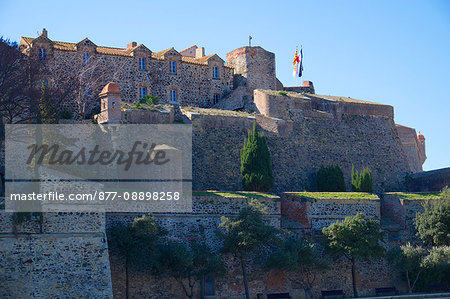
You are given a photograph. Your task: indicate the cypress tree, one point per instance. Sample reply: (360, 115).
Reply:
(362, 182)
(47, 106)
(366, 181)
(356, 179)
(256, 165)
(330, 179)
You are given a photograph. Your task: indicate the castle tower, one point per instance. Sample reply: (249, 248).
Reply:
(253, 67)
(110, 98)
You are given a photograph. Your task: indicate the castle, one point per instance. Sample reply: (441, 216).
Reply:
(221, 101)
(190, 78)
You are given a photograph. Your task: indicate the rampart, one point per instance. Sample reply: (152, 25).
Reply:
(429, 181)
(298, 148)
(309, 213)
(284, 104)
(202, 223)
(67, 256)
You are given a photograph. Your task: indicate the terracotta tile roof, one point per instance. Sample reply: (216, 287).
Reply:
(189, 48)
(159, 55)
(65, 46)
(110, 87)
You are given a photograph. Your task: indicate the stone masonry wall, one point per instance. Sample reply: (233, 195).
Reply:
(402, 210)
(67, 258)
(254, 64)
(194, 82)
(310, 215)
(200, 226)
(306, 145)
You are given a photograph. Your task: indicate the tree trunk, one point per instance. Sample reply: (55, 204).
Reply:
(307, 291)
(355, 292)
(126, 278)
(244, 277)
(409, 283)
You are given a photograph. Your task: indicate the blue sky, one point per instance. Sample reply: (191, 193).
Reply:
(392, 52)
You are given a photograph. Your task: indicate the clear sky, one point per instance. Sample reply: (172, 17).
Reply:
(394, 52)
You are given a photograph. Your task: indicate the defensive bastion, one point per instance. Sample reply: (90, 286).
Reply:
(303, 133)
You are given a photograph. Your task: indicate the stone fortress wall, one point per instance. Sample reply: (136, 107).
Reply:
(65, 257)
(201, 224)
(90, 269)
(298, 149)
(303, 130)
(311, 212)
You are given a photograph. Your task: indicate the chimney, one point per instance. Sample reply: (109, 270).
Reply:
(131, 45)
(308, 84)
(44, 32)
(199, 52)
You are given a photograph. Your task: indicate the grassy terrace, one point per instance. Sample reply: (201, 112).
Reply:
(415, 196)
(335, 195)
(234, 194)
(142, 106)
(217, 112)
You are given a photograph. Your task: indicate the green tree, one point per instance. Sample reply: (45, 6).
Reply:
(356, 179)
(189, 264)
(256, 165)
(355, 238)
(245, 234)
(49, 110)
(362, 182)
(414, 261)
(409, 260)
(300, 256)
(330, 179)
(134, 244)
(433, 225)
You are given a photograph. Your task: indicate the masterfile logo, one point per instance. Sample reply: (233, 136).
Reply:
(90, 167)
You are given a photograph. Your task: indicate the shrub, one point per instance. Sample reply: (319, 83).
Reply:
(66, 115)
(433, 225)
(256, 166)
(330, 179)
(362, 182)
(283, 93)
(149, 100)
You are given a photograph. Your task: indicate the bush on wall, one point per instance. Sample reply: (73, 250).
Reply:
(330, 179)
(362, 182)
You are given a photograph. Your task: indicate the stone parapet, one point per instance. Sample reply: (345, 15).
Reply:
(311, 212)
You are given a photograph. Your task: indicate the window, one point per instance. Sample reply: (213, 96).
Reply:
(216, 72)
(216, 98)
(142, 63)
(45, 82)
(173, 96)
(86, 58)
(173, 67)
(113, 105)
(42, 54)
(142, 92)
